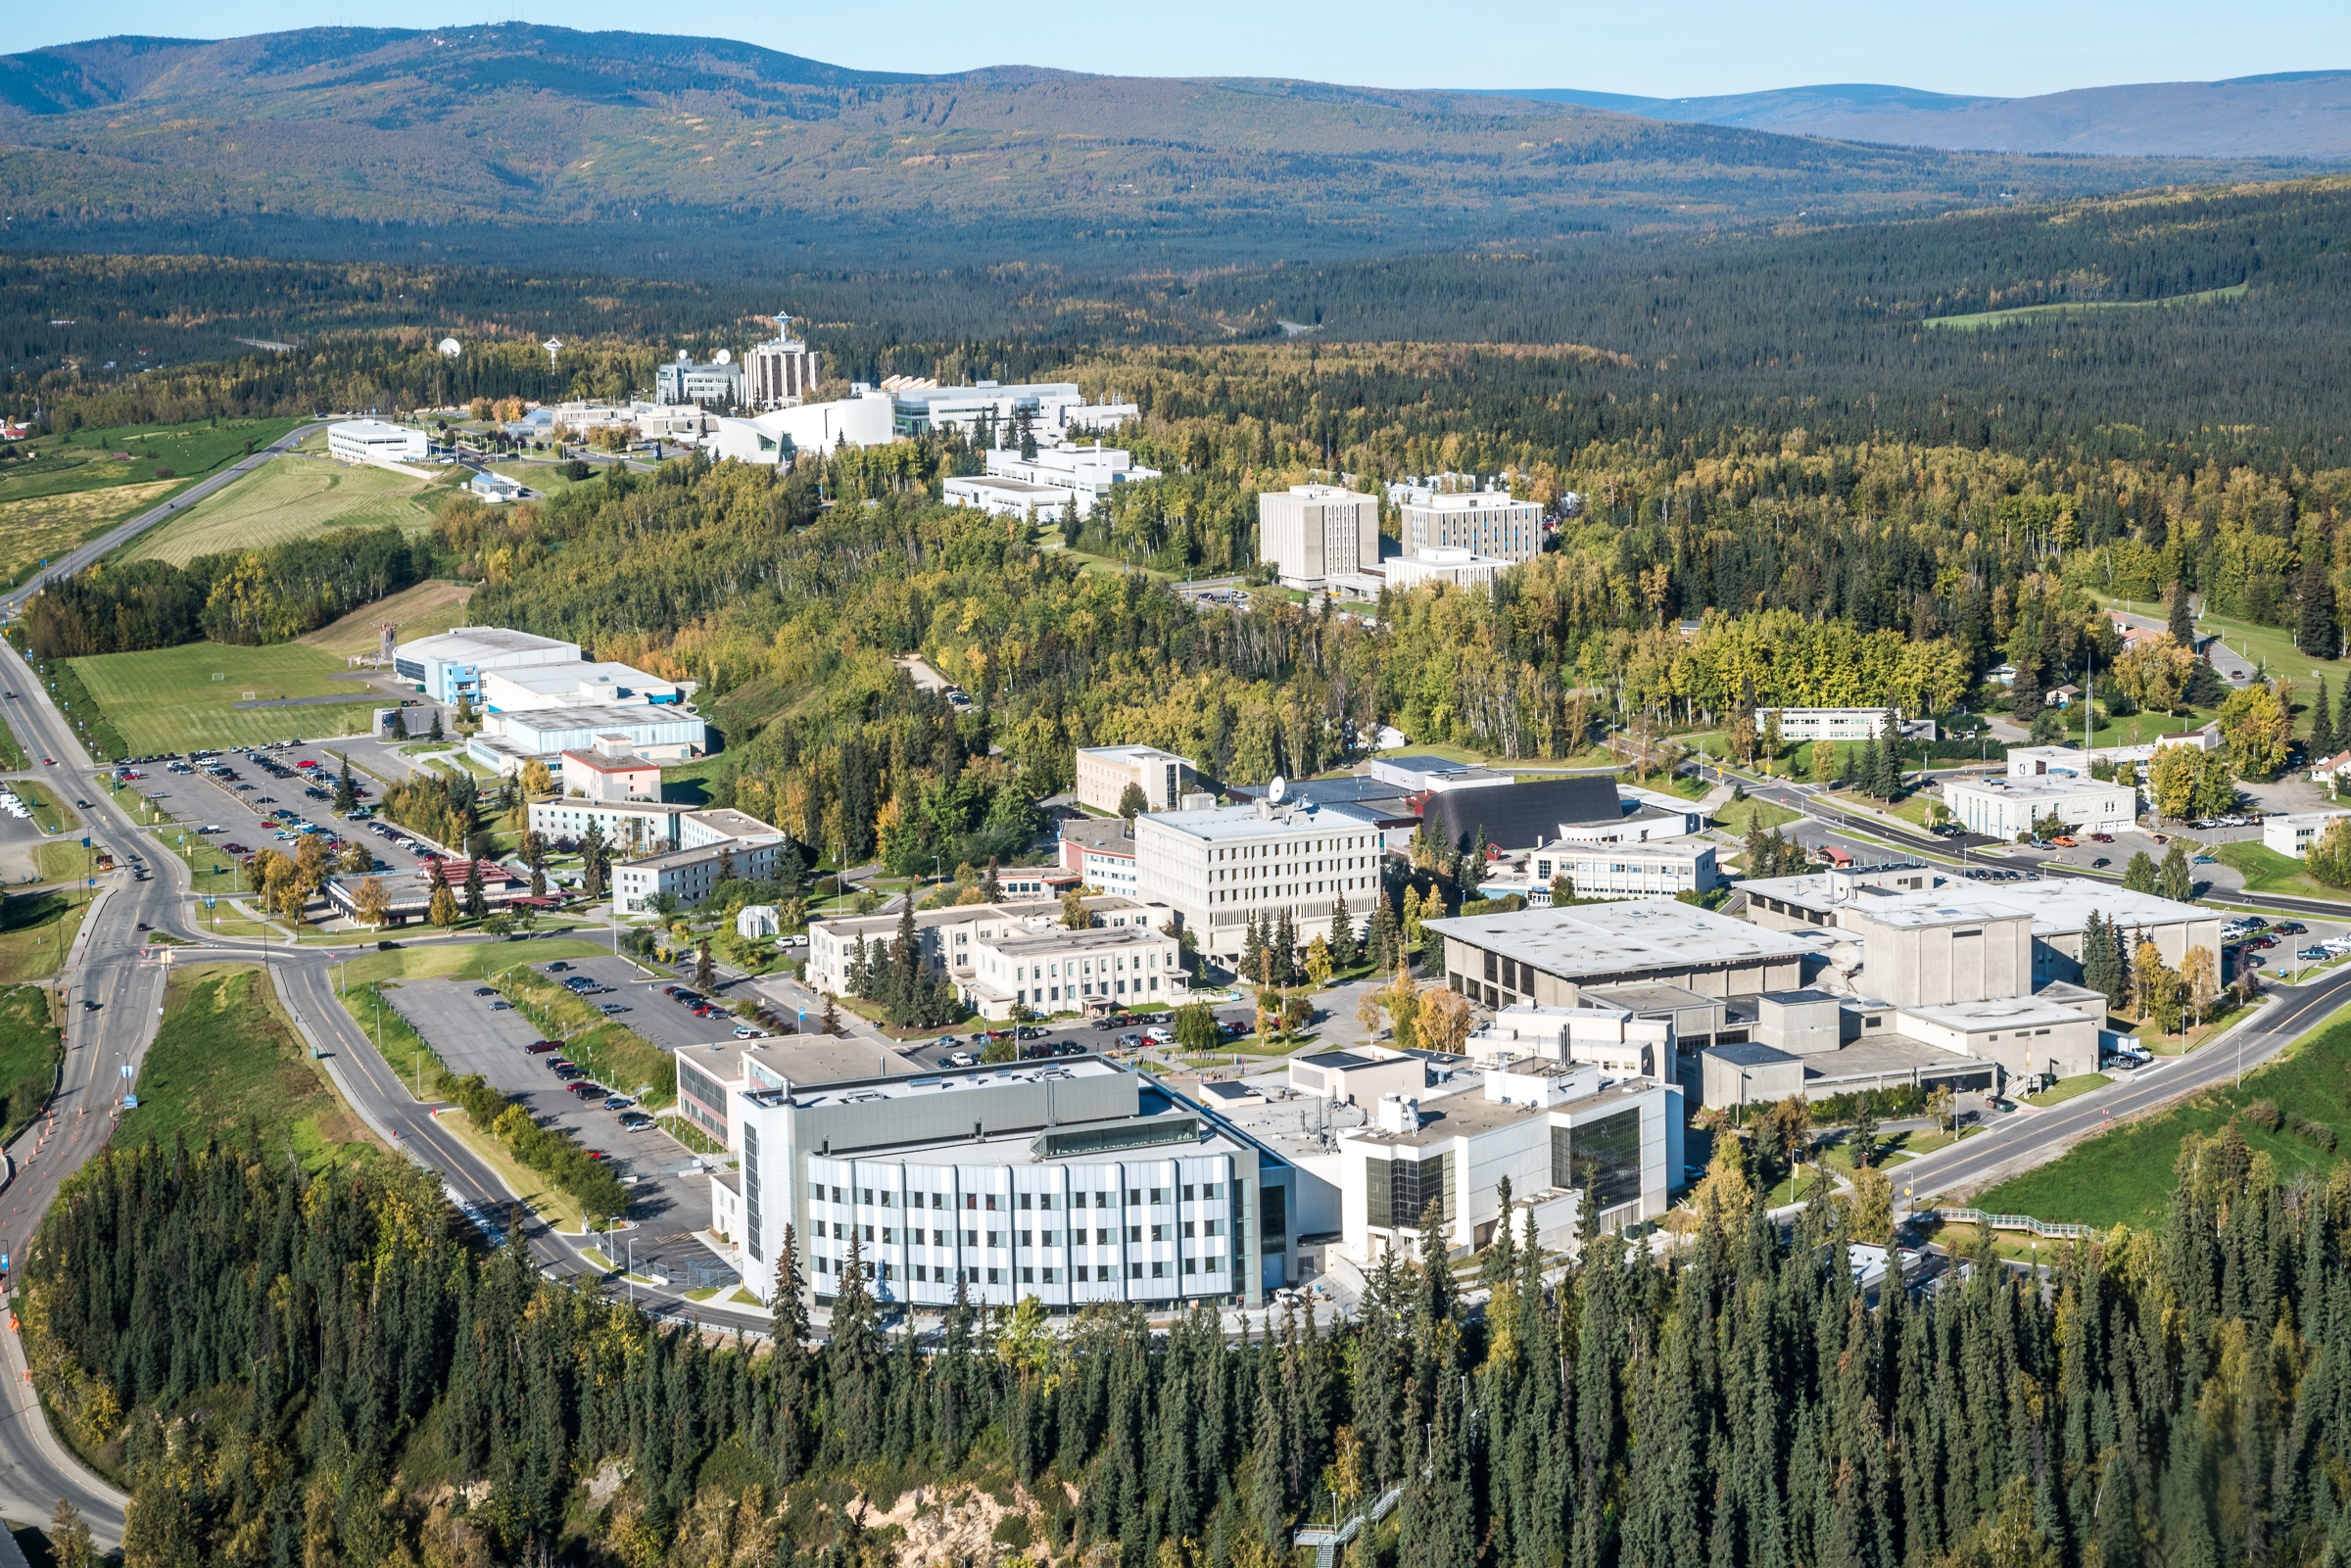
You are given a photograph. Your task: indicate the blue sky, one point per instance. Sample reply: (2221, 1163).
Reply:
(2005, 47)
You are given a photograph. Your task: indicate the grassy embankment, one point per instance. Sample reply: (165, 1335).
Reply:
(226, 1058)
(289, 498)
(2124, 1177)
(74, 487)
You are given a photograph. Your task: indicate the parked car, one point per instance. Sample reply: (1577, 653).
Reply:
(2290, 928)
(617, 1102)
(485, 991)
(636, 1122)
(586, 1091)
(1159, 1036)
(962, 1058)
(501, 1005)
(611, 1009)
(2101, 863)
(557, 967)
(2314, 955)
(542, 1047)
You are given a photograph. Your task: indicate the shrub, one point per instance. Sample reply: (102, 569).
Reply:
(2263, 1114)
(2318, 1132)
(1014, 1531)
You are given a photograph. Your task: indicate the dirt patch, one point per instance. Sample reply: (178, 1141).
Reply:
(421, 611)
(953, 1524)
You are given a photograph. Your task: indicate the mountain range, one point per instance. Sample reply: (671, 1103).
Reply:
(2297, 114)
(499, 142)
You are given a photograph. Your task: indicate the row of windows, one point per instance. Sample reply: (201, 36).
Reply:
(1079, 1274)
(826, 1192)
(1347, 885)
(1104, 1236)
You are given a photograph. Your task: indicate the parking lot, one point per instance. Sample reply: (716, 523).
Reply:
(239, 801)
(473, 1037)
(667, 1023)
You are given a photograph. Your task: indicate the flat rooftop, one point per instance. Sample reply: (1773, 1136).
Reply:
(1094, 936)
(1623, 938)
(1047, 910)
(1885, 1055)
(731, 823)
(1650, 997)
(1131, 753)
(1011, 486)
(466, 641)
(2059, 906)
(1221, 824)
(600, 716)
(2045, 786)
(1999, 1012)
(946, 1080)
(571, 675)
(1107, 836)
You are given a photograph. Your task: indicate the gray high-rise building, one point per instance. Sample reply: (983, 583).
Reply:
(783, 371)
(1314, 532)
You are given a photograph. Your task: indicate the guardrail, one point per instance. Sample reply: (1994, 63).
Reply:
(1977, 1217)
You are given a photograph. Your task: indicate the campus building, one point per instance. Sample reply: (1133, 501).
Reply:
(2005, 808)
(1481, 522)
(576, 683)
(1221, 866)
(448, 665)
(951, 938)
(1311, 533)
(375, 441)
(1804, 726)
(2293, 832)
(775, 437)
(1076, 1182)
(681, 380)
(1101, 851)
(609, 770)
(1079, 475)
(1105, 771)
(781, 372)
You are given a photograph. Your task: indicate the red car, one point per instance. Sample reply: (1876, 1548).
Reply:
(542, 1047)
(306, 763)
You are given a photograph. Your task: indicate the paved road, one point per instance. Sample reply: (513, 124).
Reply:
(2027, 1138)
(13, 603)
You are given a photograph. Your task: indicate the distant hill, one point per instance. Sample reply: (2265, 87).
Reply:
(2297, 114)
(330, 141)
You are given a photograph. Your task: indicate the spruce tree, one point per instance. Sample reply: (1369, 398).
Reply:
(2322, 742)
(1342, 934)
(1285, 949)
(477, 901)
(2182, 617)
(2314, 628)
(2023, 693)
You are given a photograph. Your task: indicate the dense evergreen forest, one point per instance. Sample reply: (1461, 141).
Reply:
(287, 1370)
(1819, 330)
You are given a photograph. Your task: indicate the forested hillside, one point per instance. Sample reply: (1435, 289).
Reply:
(284, 1370)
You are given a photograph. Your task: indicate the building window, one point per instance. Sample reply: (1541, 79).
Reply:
(992, 1275)
(1028, 1276)
(1135, 1270)
(1159, 1269)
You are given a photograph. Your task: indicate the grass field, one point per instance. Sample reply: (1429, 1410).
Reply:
(165, 699)
(12, 753)
(50, 813)
(2124, 1177)
(2267, 872)
(29, 1056)
(35, 929)
(74, 487)
(421, 611)
(224, 1058)
(551, 1203)
(2067, 1088)
(689, 781)
(289, 498)
(1736, 816)
(2031, 312)
(42, 528)
(2271, 647)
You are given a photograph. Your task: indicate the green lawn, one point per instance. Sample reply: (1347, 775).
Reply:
(1736, 816)
(50, 813)
(2267, 872)
(74, 488)
(29, 1056)
(689, 782)
(289, 498)
(2124, 1177)
(619, 1057)
(12, 754)
(2065, 1089)
(167, 700)
(35, 929)
(224, 1058)
(1979, 319)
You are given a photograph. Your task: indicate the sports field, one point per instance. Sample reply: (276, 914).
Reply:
(167, 700)
(419, 611)
(289, 498)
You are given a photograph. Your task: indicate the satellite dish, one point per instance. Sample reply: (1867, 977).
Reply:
(684, 357)
(452, 348)
(723, 357)
(1277, 790)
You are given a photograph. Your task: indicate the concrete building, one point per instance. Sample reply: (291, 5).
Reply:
(2004, 808)
(950, 936)
(632, 826)
(681, 380)
(576, 683)
(1100, 850)
(1804, 726)
(375, 441)
(1550, 956)
(1054, 408)
(494, 490)
(1049, 969)
(412, 894)
(1222, 866)
(1479, 522)
(1359, 1075)
(1076, 1182)
(1421, 773)
(781, 372)
(1105, 771)
(861, 419)
(2058, 908)
(1459, 568)
(1082, 475)
(1616, 1040)
(1606, 871)
(609, 770)
(689, 874)
(1312, 531)
(754, 922)
(1564, 1134)
(2293, 832)
(661, 734)
(1008, 497)
(448, 665)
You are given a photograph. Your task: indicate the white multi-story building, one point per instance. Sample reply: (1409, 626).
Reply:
(2004, 808)
(861, 419)
(1007, 497)
(1311, 533)
(2293, 832)
(1804, 726)
(1480, 522)
(609, 770)
(712, 847)
(950, 936)
(631, 827)
(1082, 475)
(1221, 865)
(1055, 408)
(1614, 871)
(1051, 969)
(1460, 568)
(1103, 773)
(1074, 1182)
(448, 665)
(683, 381)
(374, 441)
(576, 683)
(781, 372)
(1563, 1134)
